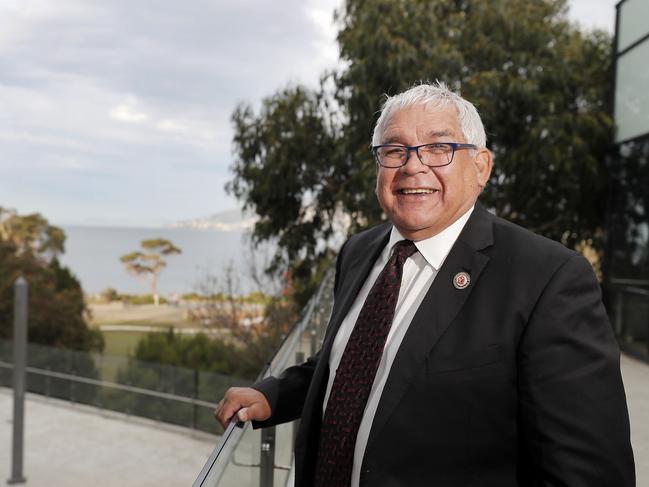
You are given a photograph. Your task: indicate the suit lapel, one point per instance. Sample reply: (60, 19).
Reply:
(357, 265)
(436, 312)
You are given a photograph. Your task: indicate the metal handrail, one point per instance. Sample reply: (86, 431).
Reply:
(635, 290)
(224, 449)
(623, 281)
(114, 385)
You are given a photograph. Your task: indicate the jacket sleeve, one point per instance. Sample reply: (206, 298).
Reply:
(572, 405)
(286, 393)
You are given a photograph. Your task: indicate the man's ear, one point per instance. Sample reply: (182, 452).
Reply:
(483, 165)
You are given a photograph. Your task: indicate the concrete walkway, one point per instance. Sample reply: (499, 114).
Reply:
(636, 383)
(70, 445)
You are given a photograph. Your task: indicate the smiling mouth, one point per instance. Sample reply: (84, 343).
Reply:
(416, 191)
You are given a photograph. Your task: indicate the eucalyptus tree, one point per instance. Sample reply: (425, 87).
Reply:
(541, 84)
(29, 247)
(149, 262)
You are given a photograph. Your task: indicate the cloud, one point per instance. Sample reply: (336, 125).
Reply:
(122, 109)
(69, 163)
(127, 112)
(322, 19)
(594, 14)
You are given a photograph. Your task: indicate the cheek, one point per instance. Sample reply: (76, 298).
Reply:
(454, 184)
(383, 184)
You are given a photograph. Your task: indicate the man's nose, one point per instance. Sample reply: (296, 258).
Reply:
(413, 165)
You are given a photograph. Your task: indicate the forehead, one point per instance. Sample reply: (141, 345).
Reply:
(422, 123)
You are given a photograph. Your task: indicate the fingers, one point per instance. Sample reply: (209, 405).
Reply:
(242, 404)
(226, 409)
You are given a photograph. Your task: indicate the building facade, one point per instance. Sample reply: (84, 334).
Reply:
(626, 270)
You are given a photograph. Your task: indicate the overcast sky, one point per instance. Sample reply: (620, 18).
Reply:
(118, 112)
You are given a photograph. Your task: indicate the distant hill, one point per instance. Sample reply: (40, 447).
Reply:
(226, 221)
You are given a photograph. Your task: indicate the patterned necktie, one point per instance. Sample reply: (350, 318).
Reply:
(356, 372)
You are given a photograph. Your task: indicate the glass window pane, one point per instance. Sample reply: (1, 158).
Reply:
(631, 95)
(633, 22)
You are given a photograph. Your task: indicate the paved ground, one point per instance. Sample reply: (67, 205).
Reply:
(636, 383)
(70, 445)
(73, 446)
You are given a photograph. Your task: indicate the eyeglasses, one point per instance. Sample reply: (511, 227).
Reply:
(432, 155)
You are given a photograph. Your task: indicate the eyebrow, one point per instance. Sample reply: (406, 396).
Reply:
(392, 139)
(434, 134)
(439, 133)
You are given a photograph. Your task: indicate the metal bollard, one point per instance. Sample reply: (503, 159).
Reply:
(19, 379)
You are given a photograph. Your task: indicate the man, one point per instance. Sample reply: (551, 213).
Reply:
(479, 356)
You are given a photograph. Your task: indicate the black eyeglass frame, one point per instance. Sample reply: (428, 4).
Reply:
(454, 146)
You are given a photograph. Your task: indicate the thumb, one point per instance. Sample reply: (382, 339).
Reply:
(253, 412)
(244, 414)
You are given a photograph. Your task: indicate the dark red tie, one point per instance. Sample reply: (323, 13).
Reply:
(356, 372)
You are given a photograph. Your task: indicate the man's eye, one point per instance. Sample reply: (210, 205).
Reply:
(436, 148)
(392, 152)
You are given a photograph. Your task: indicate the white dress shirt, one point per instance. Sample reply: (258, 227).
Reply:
(419, 272)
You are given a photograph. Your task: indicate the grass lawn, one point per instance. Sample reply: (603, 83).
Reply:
(119, 345)
(121, 342)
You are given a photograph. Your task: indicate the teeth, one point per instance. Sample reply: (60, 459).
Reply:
(417, 191)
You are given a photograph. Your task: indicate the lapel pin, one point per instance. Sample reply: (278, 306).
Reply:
(461, 280)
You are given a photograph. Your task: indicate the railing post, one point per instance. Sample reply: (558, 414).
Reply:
(48, 382)
(267, 457)
(195, 406)
(19, 379)
(314, 341)
(647, 329)
(299, 358)
(619, 312)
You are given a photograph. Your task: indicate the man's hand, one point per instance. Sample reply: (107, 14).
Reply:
(246, 403)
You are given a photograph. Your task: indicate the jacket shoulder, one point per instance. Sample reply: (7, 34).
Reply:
(358, 246)
(368, 236)
(523, 243)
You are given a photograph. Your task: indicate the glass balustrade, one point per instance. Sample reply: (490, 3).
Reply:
(176, 395)
(245, 457)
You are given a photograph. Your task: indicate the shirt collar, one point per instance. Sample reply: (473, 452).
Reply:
(435, 249)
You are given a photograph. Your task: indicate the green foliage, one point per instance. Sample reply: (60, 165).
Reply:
(541, 86)
(160, 245)
(171, 379)
(65, 361)
(56, 307)
(194, 352)
(142, 263)
(31, 233)
(255, 297)
(241, 353)
(109, 295)
(138, 299)
(285, 171)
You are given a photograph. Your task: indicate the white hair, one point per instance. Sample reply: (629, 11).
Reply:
(433, 96)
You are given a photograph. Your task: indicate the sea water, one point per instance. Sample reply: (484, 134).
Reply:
(93, 254)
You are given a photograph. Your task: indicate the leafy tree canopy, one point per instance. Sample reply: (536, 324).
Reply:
(541, 85)
(31, 233)
(57, 311)
(149, 264)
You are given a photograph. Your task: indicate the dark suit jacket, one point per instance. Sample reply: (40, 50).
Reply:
(512, 381)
